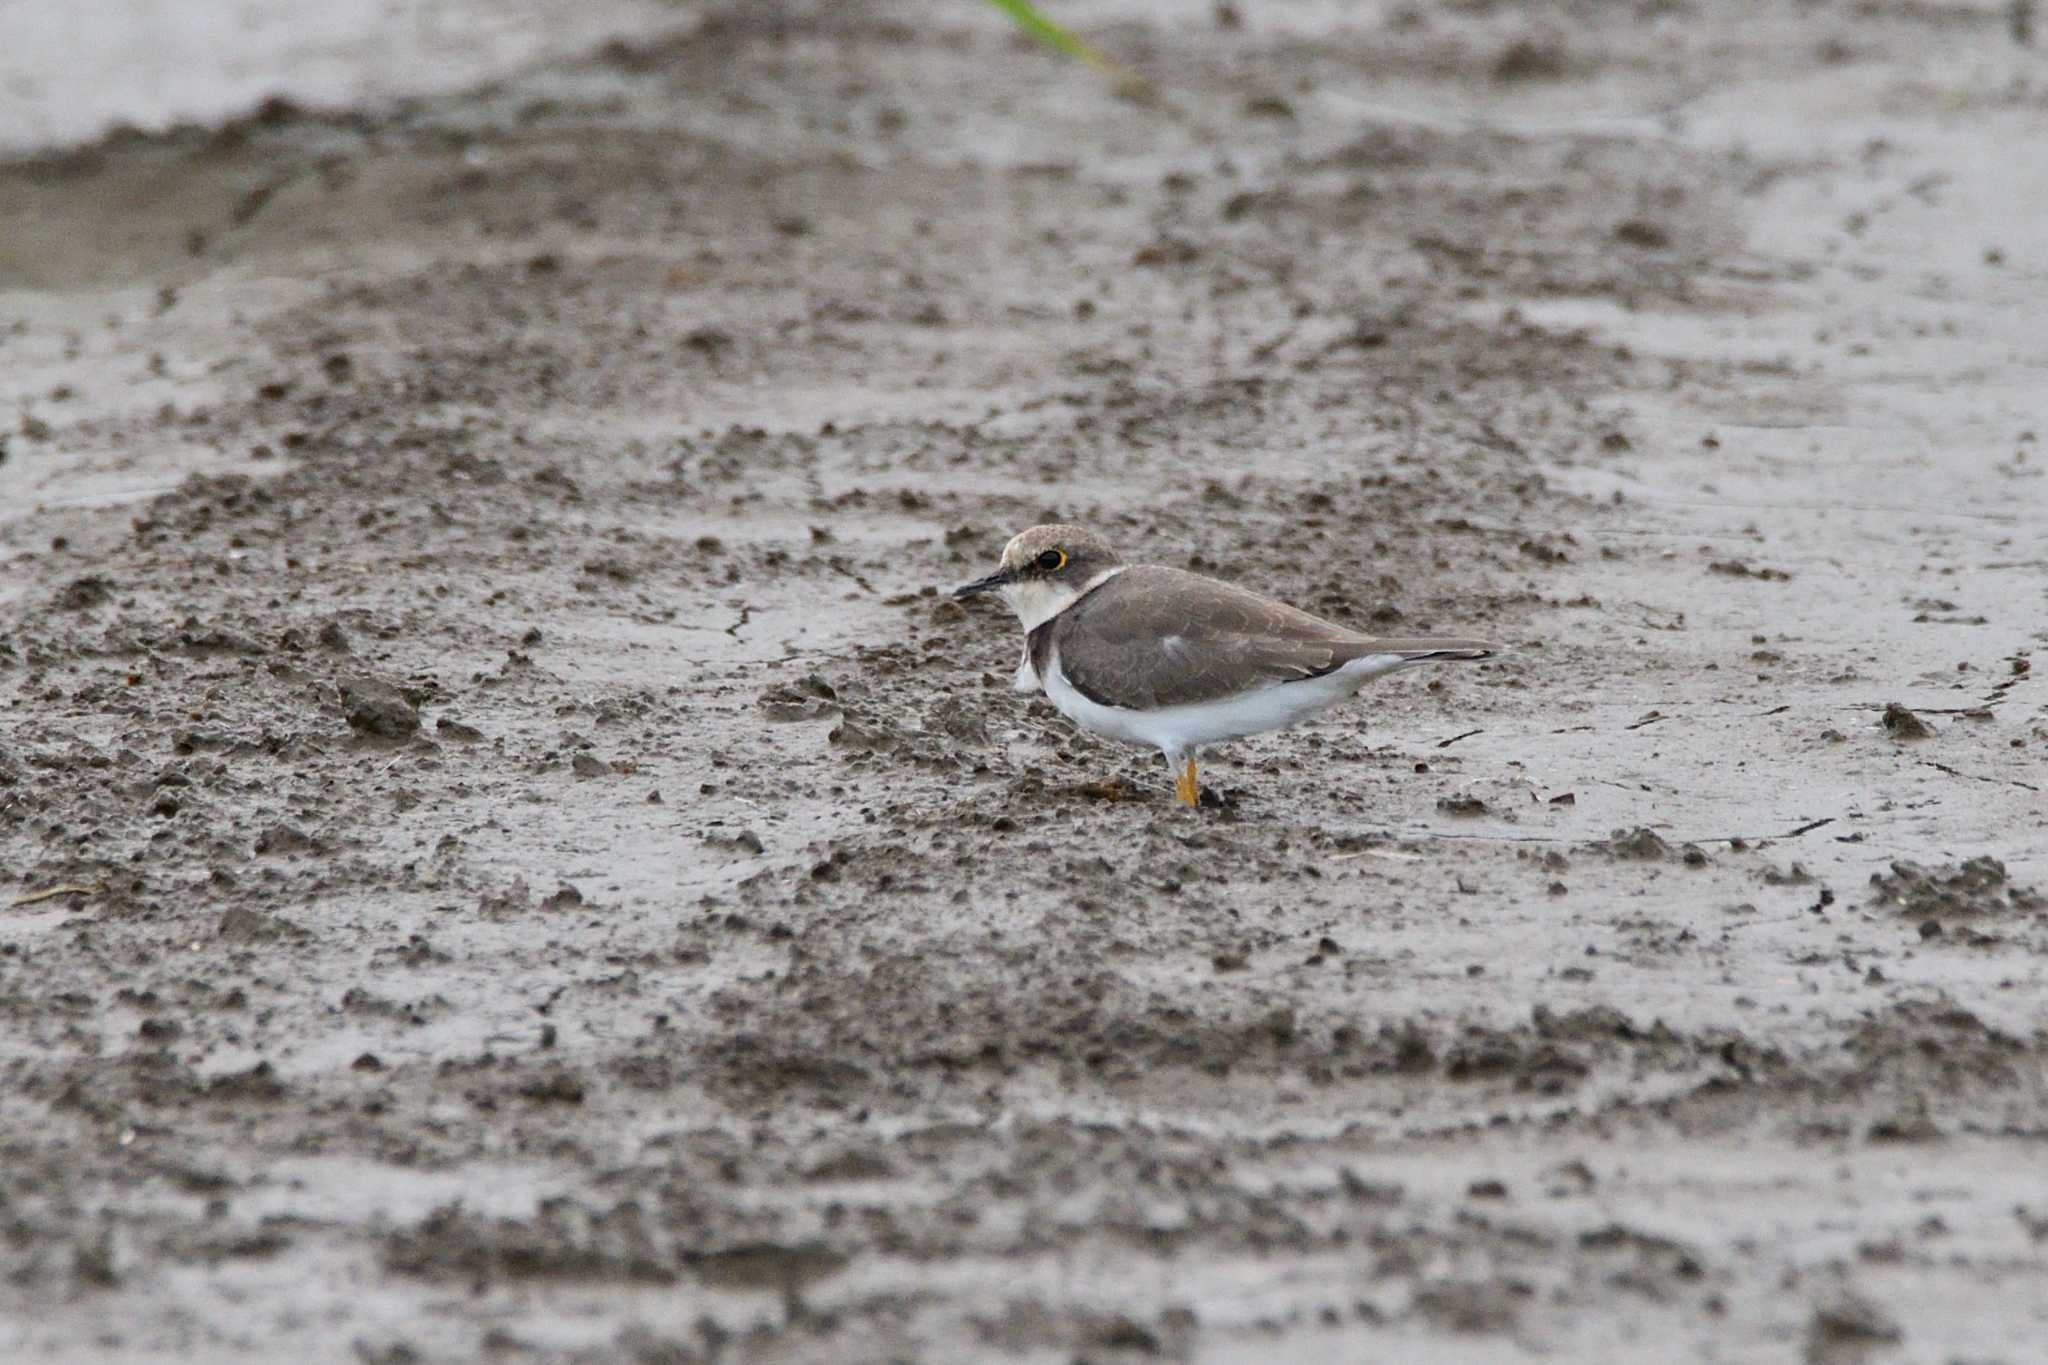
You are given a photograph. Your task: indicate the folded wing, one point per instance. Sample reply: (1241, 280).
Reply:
(1153, 636)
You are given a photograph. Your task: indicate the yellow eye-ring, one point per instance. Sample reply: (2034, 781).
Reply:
(1052, 561)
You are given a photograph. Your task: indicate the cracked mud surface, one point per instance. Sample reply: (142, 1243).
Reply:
(507, 852)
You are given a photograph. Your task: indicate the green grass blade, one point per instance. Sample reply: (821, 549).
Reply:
(1027, 17)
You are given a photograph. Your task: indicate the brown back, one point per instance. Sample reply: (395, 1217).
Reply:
(1153, 636)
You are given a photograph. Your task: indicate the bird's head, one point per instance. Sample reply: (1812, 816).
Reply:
(1044, 569)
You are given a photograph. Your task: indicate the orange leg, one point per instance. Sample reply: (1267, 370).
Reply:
(1185, 787)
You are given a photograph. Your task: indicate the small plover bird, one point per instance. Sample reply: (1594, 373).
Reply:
(1164, 657)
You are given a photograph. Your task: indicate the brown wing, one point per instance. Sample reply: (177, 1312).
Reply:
(1153, 636)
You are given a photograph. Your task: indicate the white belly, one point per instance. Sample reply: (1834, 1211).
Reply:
(1179, 730)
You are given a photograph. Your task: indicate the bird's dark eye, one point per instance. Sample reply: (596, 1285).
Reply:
(1052, 561)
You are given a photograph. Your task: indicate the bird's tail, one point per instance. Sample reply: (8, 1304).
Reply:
(1432, 650)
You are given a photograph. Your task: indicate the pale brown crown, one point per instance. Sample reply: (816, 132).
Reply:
(1060, 554)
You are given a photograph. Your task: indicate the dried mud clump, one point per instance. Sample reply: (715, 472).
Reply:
(1740, 568)
(811, 699)
(1915, 1052)
(1978, 887)
(1846, 1327)
(1900, 723)
(564, 1240)
(1641, 844)
(83, 594)
(379, 710)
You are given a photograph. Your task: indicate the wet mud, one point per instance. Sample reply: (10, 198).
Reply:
(508, 851)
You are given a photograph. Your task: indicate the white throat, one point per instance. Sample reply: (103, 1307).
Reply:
(1037, 602)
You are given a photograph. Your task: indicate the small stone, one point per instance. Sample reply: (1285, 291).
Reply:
(1848, 1320)
(378, 709)
(285, 840)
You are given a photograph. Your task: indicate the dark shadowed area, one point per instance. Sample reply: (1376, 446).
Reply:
(508, 852)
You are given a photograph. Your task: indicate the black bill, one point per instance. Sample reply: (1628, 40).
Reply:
(999, 578)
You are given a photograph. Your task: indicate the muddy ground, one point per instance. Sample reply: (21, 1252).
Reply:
(505, 855)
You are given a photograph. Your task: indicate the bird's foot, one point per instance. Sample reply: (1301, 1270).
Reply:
(1186, 788)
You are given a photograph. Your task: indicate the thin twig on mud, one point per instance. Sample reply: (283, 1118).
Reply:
(1447, 743)
(1981, 711)
(1976, 777)
(838, 566)
(1802, 916)
(1481, 837)
(67, 889)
